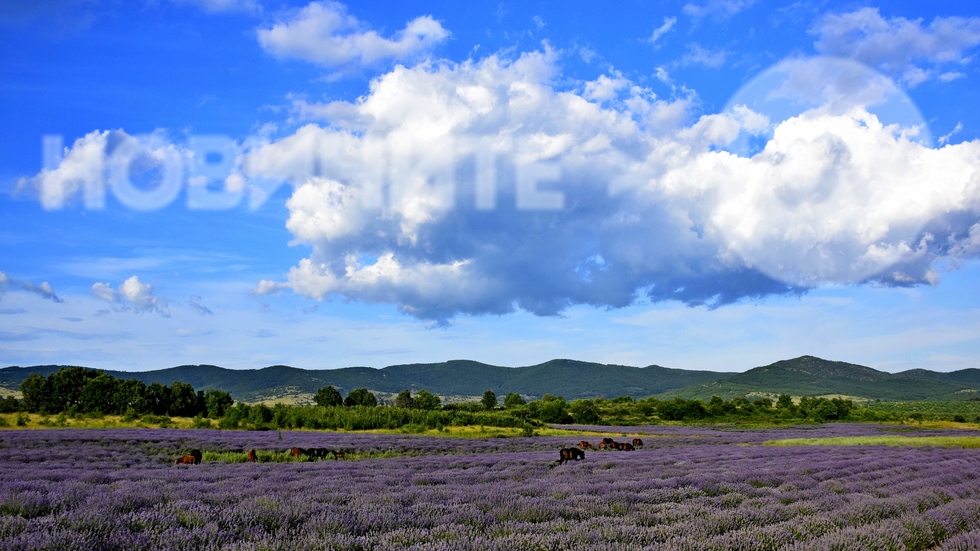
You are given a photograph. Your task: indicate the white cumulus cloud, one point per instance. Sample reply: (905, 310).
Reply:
(132, 295)
(326, 34)
(412, 196)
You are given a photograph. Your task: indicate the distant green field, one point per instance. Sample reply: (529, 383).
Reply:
(928, 410)
(938, 441)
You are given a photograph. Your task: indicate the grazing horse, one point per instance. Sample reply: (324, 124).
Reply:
(196, 453)
(296, 452)
(609, 442)
(605, 445)
(319, 452)
(624, 446)
(187, 460)
(250, 456)
(585, 445)
(339, 455)
(567, 454)
(637, 442)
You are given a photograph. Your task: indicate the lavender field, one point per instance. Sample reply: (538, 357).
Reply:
(688, 488)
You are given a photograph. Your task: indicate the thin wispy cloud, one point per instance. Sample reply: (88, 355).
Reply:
(42, 289)
(904, 48)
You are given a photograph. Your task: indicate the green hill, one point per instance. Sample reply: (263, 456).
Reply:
(568, 378)
(803, 376)
(811, 376)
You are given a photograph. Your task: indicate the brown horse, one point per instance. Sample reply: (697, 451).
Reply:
(637, 442)
(567, 454)
(624, 446)
(250, 456)
(187, 460)
(609, 442)
(605, 445)
(296, 452)
(338, 455)
(585, 445)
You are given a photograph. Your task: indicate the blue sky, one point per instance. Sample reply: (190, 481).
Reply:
(705, 184)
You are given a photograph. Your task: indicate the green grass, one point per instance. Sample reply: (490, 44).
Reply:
(969, 409)
(891, 440)
(283, 456)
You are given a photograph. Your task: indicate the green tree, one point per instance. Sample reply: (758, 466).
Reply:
(328, 396)
(427, 400)
(785, 401)
(9, 405)
(36, 391)
(183, 400)
(585, 412)
(405, 400)
(554, 410)
(66, 387)
(489, 400)
(513, 400)
(360, 397)
(131, 394)
(158, 398)
(216, 402)
(99, 394)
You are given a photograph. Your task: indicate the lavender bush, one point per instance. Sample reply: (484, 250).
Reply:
(688, 488)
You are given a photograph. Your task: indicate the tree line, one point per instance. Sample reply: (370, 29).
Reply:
(76, 390)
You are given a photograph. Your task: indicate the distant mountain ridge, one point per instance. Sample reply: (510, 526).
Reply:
(803, 376)
(569, 378)
(812, 376)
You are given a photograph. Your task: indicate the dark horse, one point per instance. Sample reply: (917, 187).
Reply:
(196, 453)
(637, 442)
(567, 454)
(250, 456)
(318, 452)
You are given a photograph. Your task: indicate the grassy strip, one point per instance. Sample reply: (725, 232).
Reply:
(890, 440)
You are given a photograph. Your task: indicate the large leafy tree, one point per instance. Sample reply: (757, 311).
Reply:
(36, 391)
(158, 398)
(183, 400)
(216, 402)
(513, 400)
(99, 394)
(489, 400)
(360, 397)
(131, 394)
(427, 400)
(67, 385)
(405, 400)
(328, 396)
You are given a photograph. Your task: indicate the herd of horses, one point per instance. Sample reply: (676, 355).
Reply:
(568, 454)
(565, 454)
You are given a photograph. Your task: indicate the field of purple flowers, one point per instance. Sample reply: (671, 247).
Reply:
(688, 488)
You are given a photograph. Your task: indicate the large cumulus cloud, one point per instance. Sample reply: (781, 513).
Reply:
(412, 196)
